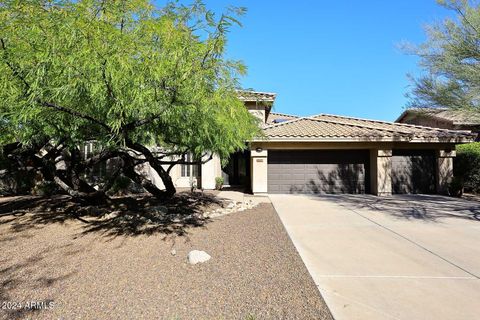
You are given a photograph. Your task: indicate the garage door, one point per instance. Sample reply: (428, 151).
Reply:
(318, 171)
(413, 171)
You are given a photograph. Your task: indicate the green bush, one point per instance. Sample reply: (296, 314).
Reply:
(16, 182)
(121, 185)
(45, 188)
(219, 183)
(456, 187)
(3, 161)
(467, 166)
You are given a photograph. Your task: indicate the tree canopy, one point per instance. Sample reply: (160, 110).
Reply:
(122, 73)
(451, 60)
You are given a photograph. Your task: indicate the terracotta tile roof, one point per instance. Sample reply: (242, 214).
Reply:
(326, 127)
(458, 117)
(246, 95)
(274, 116)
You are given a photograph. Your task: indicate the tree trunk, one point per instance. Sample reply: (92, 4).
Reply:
(147, 185)
(170, 189)
(92, 197)
(71, 182)
(156, 165)
(129, 171)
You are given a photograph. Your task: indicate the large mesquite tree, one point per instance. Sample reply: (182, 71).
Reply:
(124, 74)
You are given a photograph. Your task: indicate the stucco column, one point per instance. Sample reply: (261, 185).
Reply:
(381, 172)
(210, 170)
(259, 171)
(444, 169)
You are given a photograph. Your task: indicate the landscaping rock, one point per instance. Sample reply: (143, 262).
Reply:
(230, 206)
(249, 204)
(111, 215)
(197, 256)
(159, 209)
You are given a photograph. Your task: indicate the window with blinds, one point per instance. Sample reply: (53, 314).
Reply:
(189, 169)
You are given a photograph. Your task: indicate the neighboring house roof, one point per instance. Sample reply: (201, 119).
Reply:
(247, 95)
(274, 117)
(457, 117)
(325, 127)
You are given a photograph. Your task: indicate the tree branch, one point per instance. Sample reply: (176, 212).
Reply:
(108, 85)
(17, 73)
(14, 70)
(74, 113)
(464, 17)
(142, 122)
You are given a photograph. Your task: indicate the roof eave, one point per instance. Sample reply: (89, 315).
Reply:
(403, 115)
(257, 100)
(365, 140)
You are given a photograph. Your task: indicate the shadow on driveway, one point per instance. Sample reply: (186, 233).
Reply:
(421, 207)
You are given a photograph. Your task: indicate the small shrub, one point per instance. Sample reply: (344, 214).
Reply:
(456, 187)
(121, 185)
(16, 182)
(45, 188)
(193, 184)
(219, 183)
(467, 166)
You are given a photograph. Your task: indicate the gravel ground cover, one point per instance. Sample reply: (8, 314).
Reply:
(255, 271)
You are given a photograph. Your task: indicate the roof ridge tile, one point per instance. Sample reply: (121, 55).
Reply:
(282, 123)
(356, 125)
(333, 128)
(394, 123)
(285, 114)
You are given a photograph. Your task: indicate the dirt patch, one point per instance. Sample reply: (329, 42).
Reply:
(255, 271)
(127, 215)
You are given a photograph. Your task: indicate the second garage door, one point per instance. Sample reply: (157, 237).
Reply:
(413, 171)
(318, 171)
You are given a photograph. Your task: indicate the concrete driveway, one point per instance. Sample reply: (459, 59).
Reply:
(401, 257)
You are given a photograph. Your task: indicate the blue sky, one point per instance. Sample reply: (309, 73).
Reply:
(339, 57)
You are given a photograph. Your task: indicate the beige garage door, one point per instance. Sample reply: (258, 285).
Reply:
(318, 171)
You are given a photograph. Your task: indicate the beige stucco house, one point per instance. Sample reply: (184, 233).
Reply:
(331, 154)
(442, 118)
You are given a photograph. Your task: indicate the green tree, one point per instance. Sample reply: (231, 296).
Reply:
(451, 60)
(122, 73)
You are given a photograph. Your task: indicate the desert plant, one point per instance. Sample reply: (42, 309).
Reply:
(44, 188)
(467, 166)
(127, 75)
(193, 184)
(121, 185)
(450, 61)
(219, 183)
(455, 188)
(16, 182)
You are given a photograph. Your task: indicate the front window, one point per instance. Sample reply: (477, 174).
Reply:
(189, 170)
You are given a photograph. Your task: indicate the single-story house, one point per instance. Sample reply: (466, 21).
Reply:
(442, 118)
(332, 154)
